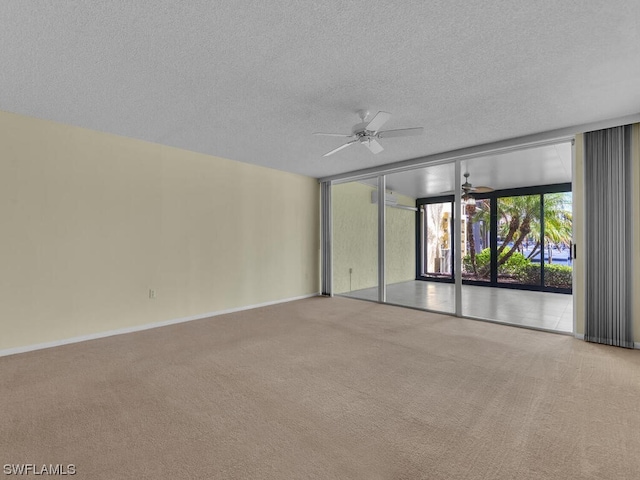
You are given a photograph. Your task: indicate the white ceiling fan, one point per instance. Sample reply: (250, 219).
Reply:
(367, 133)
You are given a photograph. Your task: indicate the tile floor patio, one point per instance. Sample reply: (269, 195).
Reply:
(540, 310)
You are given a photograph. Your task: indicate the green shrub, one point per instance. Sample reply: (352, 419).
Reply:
(559, 276)
(515, 263)
(529, 274)
(482, 260)
(522, 269)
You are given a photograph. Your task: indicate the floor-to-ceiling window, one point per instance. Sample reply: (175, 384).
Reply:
(510, 238)
(516, 238)
(355, 239)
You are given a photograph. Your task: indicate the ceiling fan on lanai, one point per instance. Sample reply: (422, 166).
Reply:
(468, 189)
(367, 133)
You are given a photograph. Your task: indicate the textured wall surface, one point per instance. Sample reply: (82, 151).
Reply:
(91, 222)
(355, 239)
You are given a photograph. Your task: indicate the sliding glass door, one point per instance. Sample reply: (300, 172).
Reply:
(476, 240)
(519, 240)
(436, 228)
(558, 228)
(534, 241)
(355, 239)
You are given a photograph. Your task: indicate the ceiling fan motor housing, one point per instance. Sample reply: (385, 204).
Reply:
(359, 129)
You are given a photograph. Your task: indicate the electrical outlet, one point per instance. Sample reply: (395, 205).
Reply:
(350, 270)
(152, 293)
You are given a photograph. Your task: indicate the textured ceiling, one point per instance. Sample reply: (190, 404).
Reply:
(251, 80)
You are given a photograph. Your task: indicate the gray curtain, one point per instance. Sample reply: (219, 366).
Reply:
(325, 200)
(608, 243)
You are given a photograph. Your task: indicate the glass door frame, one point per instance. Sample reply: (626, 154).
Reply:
(421, 231)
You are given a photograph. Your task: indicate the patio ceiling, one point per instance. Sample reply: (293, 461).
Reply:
(545, 165)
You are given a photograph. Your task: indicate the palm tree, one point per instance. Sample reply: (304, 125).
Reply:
(518, 216)
(519, 221)
(558, 223)
(477, 212)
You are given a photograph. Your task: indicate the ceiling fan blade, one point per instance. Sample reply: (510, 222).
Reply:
(401, 132)
(339, 148)
(333, 134)
(482, 189)
(373, 145)
(377, 121)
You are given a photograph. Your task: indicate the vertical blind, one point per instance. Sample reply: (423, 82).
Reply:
(325, 200)
(608, 240)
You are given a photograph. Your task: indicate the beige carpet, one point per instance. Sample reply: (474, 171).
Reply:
(326, 389)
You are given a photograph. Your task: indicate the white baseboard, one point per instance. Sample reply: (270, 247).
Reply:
(636, 345)
(147, 326)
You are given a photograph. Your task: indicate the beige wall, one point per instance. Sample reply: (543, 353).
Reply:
(91, 222)
(355, 239)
